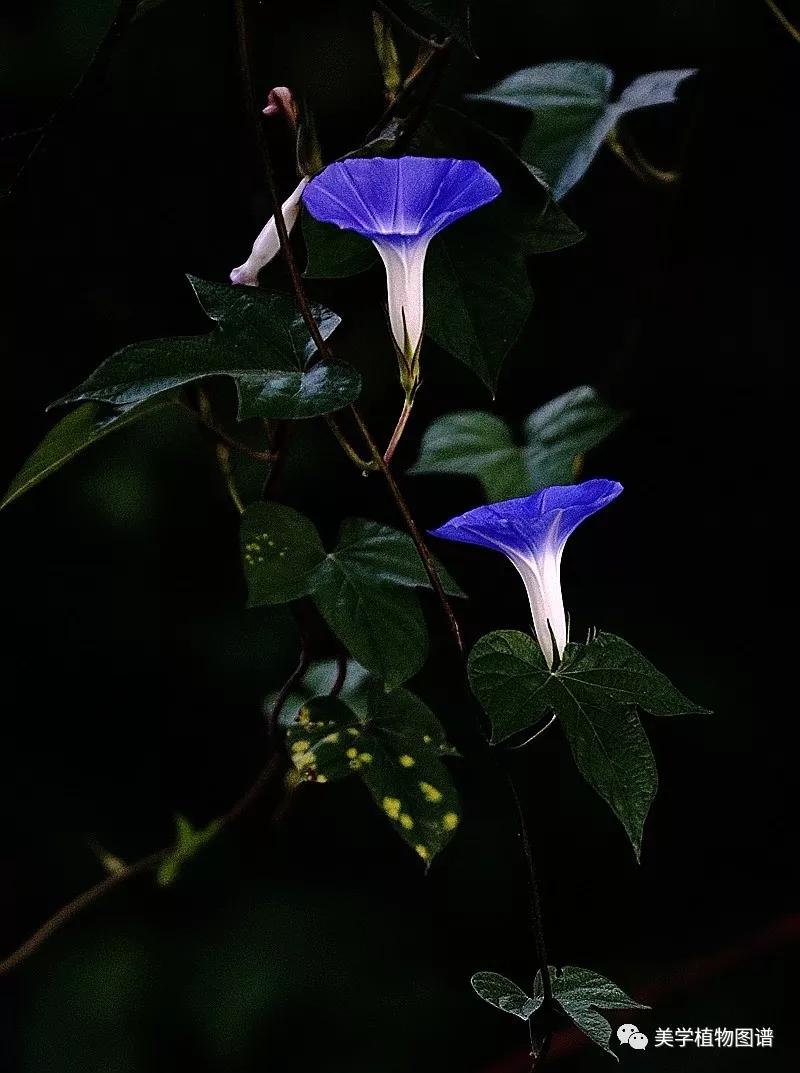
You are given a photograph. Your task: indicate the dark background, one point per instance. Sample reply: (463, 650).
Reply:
(134, 677)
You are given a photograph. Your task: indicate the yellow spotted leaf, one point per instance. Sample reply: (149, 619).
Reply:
(396, 747)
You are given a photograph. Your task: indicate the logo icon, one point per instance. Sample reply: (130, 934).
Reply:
(631, 1035)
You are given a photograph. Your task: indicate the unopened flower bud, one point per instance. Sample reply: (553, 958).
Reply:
(268, 244)
(281, 102)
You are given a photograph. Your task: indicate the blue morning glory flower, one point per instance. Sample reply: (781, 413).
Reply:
(532, 532)
(400, 204)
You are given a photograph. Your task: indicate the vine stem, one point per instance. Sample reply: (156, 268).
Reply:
(635, 162)
(538, 1052)
(423, 551)
(788, 26)
(204, 416)
(124, 872)
(323, 349)
(276, 765)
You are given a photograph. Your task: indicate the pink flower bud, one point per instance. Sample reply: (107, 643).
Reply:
(281, 102)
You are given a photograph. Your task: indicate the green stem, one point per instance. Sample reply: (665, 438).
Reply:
(399, 429)
(791, 30)
(224, 463)
(539, 1048)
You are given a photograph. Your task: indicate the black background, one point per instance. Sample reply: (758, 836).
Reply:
(134, 677)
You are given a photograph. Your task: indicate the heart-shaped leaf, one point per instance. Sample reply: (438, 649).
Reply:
(579, 992)
(280, 550)
(260, 341)
(501, 992)
(481, 444)
(364, 588)
(396, 749)
(574, 113)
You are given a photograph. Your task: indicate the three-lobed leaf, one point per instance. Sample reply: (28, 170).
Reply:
(364, 587)
(395, 747)
(260, 341)
(594, 691)
(481, 444)
(574, 113)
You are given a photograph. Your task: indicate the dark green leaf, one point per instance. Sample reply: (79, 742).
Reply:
(481, 444)
(509, 676)
(574, 113)
(188, 842)
(594, 692)
(360, 591)
(504, 994)
(280, 551)
(334, 253)
(611, 670)
(260, 341)
(561, 432)
(73, 433)
(396, 748)
(579, 993)
(451, 15)
(478, 296)
(478, 444)
(386, 556)
(364, 588)
(381, 626)
(611, 751)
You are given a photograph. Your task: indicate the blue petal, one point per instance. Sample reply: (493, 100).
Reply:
(525, 526)
(399, 199)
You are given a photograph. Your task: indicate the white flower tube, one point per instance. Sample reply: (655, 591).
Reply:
(400, 204)
(405, 270)
(268, 244)
(541, 575)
